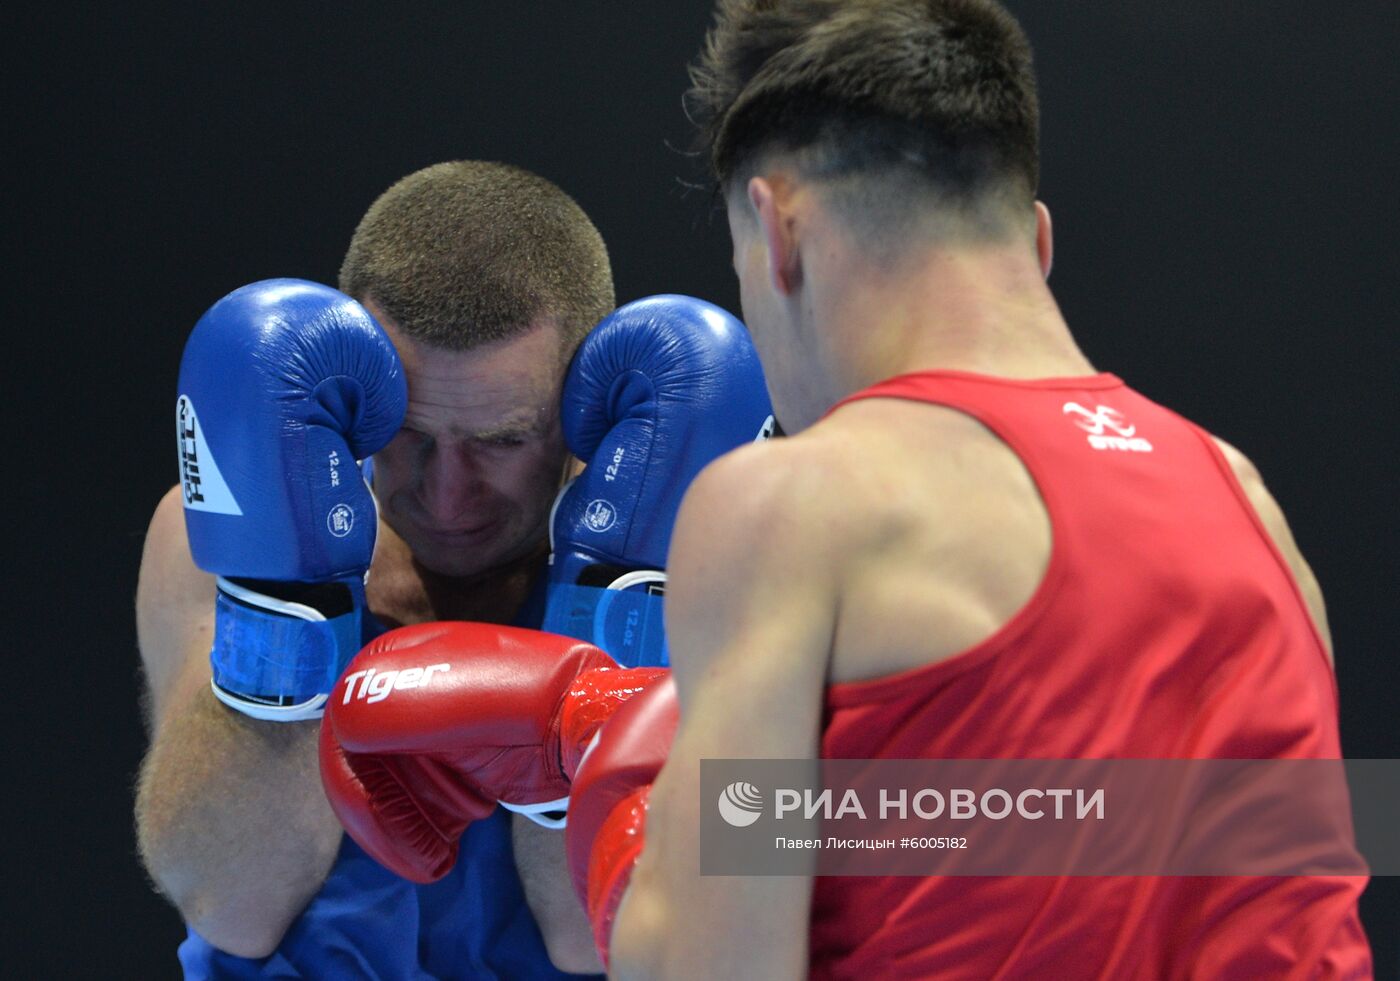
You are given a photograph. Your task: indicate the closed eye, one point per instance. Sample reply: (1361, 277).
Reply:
(505, 442)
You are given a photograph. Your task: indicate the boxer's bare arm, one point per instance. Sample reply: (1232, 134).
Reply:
(231, 820)
(1274, 522)
(543, 866)
(750, 609)
(544, 876)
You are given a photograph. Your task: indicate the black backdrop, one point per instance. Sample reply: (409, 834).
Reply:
(1224, 178)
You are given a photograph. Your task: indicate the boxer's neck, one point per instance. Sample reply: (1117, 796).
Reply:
(402, 591)
(983, 308)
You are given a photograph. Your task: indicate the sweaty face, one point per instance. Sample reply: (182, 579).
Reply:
(469, 480)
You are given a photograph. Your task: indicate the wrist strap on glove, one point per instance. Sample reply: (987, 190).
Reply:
(617, 609)
(279, 647)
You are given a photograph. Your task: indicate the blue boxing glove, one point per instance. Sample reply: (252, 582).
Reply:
(284, 385)
(657, 390)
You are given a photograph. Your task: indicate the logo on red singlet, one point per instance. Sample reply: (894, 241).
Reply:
(1107, 428)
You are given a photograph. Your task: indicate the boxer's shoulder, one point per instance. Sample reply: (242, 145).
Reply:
(866, 477)
(947, 536)
(904, 463)
(395, 590)
(1251, 482)
(166, 562)
(761, 492)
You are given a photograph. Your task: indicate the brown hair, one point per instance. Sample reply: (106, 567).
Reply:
(468, 252)
(942, 91)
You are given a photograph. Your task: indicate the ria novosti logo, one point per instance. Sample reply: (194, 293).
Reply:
(740, 804)
(1099, 421)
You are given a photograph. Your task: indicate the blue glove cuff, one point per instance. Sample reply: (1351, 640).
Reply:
(277, 660)
(623, 618)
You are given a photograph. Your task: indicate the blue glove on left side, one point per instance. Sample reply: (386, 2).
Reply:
(284, 384)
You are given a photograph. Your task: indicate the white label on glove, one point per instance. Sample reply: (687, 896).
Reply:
(203, 486)
(599, 516)
(375, 686)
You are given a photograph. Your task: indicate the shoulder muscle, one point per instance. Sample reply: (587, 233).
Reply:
(751, 600)
(1277, 526)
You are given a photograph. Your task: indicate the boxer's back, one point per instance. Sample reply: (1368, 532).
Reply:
(1063, 569)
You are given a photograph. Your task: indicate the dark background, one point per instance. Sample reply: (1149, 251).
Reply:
(1224, 179)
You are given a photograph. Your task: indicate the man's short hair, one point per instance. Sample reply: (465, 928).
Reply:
(465, 253)
(940, 92)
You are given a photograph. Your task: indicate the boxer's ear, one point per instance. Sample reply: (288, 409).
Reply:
(1044, 238)
(770, 198)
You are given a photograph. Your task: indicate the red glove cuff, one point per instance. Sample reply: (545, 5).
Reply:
(593, 698)
(607, 809)
(616, 849)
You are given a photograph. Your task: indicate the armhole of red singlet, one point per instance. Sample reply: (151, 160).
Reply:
(1262, 530)
(893, 685)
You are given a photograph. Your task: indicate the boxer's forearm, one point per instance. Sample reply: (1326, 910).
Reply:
(544, 874)
(232, 823)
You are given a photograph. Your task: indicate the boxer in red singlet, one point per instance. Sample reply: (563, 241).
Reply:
(973, 544)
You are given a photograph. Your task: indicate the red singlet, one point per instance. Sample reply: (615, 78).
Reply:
(1167, 626)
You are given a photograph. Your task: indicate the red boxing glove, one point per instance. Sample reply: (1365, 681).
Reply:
(607, 810)
(432, 724)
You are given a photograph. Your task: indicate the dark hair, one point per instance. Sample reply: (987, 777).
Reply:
(464, 253)
(941, 89)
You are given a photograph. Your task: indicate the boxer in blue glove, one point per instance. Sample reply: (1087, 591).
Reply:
(473, 283)
(658, 390)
